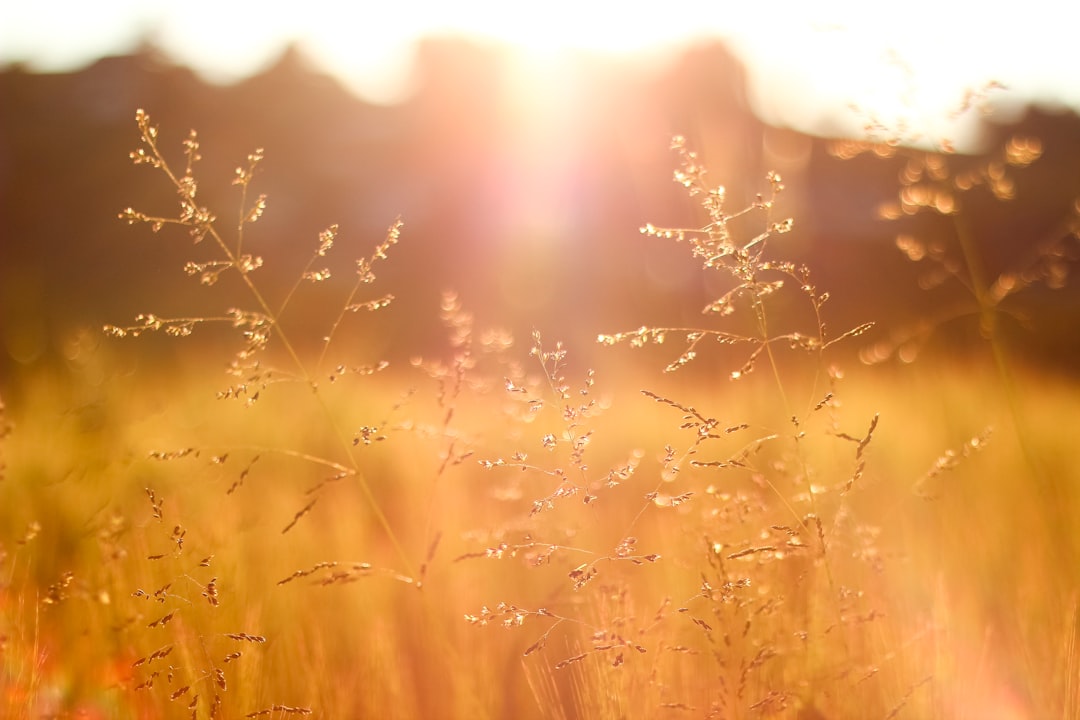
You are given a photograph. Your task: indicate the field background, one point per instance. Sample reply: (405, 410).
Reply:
(922, 566)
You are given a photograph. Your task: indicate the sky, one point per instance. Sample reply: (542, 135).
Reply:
(808, 62)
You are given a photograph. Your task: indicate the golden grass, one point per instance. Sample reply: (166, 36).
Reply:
(496, 531)
(963, 588)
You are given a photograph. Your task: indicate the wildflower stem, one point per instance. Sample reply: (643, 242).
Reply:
(206, 225)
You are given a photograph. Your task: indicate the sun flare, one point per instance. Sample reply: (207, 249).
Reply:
(807, 64)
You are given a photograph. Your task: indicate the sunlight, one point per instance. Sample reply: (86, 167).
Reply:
(807, 64)
(565, 25)
(845, 77)
(371, 50)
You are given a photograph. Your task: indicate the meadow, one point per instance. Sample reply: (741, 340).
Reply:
(760, 516)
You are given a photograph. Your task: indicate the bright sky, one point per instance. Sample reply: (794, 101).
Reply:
(807, 60)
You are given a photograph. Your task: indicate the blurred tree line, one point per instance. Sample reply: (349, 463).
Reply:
(524, 192)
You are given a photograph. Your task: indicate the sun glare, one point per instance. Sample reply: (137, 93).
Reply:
(371, 50)
(807, 63)
(564, 25)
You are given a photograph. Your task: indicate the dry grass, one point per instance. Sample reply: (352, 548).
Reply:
(498, 531)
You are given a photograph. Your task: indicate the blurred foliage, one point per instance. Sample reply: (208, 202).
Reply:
(525, 199)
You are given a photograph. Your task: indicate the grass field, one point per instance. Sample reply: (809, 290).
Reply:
(497, 531)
